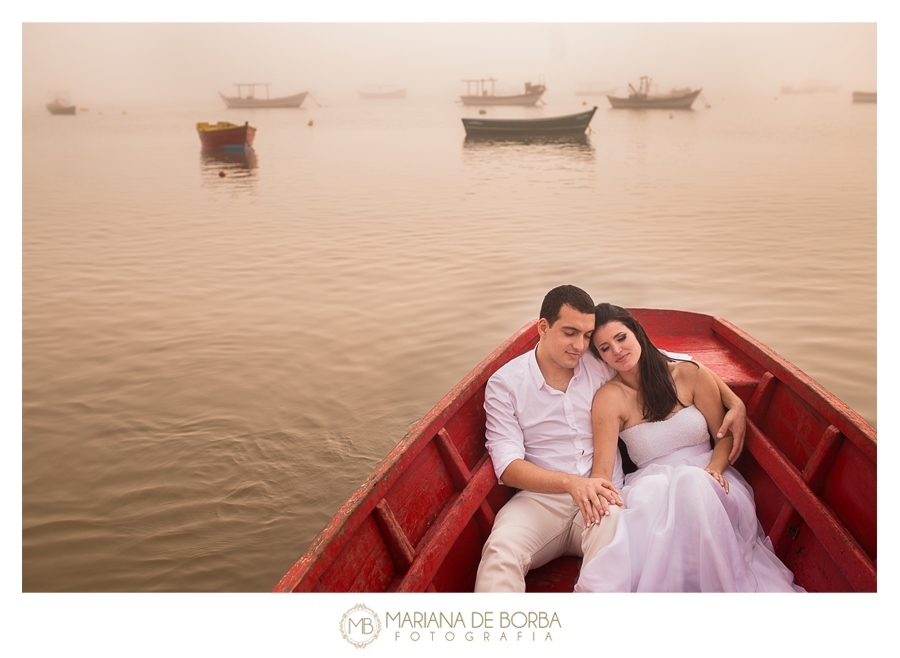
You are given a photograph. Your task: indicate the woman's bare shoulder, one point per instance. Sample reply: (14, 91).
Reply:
(614, 394)
(613, 404)
(684, 369)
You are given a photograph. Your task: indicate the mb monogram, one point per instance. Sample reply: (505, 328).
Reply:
(360, 626)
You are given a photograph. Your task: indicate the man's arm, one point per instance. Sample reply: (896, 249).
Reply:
(506, 446)
(592, 495)
(736, 418)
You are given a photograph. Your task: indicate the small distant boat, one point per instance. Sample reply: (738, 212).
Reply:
(481, 96)
(225, 135)
(59, 107)
(641, 98)
(865, 97)
(382, 92)
(249, 100)
(570, 124)
(808, 89)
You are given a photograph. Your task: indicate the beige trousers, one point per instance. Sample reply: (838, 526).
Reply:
(532, 529)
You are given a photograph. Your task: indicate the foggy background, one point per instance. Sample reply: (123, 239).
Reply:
(188, 63)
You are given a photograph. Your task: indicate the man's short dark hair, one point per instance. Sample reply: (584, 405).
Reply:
(565, 295)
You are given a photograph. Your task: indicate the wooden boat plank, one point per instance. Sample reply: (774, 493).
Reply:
(421, 494)
(401, 550)
(465, 428)
(843, 549)
(813, 565)
(795, 428)
(448, 528)
(365, 565)
(460, 565)
(823, 458)
(856, 506)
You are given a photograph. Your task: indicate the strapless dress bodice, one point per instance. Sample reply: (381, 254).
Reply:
(648, 441)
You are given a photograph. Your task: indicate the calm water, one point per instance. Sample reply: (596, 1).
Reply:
(212, 365)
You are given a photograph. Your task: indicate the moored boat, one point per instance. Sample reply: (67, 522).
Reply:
(641, 98)
(865, 97)
(420, 520)
(248, 99)
(481, 96)
(570, 124)
(59, 107)
(226, 135)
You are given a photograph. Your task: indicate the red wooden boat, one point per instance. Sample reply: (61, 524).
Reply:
(420, 520)
(225, 135)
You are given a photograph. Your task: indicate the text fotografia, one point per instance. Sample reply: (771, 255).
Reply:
(478, 626)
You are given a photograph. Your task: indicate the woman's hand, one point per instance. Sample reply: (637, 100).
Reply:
(717, 474)
(593, 496)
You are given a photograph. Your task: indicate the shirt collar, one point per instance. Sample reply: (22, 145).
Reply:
(538, 377)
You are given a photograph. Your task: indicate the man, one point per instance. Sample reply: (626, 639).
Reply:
(540, 440)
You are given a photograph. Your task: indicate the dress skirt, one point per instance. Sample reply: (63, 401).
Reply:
(680, 532)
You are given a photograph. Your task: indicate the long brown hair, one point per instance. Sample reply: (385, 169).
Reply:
(658, 394)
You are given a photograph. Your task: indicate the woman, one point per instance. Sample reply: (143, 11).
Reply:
(689, 522)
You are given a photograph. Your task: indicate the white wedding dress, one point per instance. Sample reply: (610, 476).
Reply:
(679, 531)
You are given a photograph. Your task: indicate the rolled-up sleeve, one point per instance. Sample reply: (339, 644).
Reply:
(505, 441)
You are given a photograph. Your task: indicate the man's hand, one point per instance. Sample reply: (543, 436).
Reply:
(593, 496)
(735, 418)
(735, 421)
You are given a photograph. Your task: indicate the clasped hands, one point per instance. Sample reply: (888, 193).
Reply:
(594, 495)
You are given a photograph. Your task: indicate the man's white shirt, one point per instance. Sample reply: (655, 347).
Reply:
(527, 419)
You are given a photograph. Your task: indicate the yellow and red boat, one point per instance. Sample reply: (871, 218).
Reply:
(420, 520)
(226, 135)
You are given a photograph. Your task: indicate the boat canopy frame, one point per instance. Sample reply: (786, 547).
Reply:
(251, 89)
(479, 86)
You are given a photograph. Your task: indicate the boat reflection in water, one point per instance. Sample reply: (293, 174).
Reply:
(237, 167)
(577, 145)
